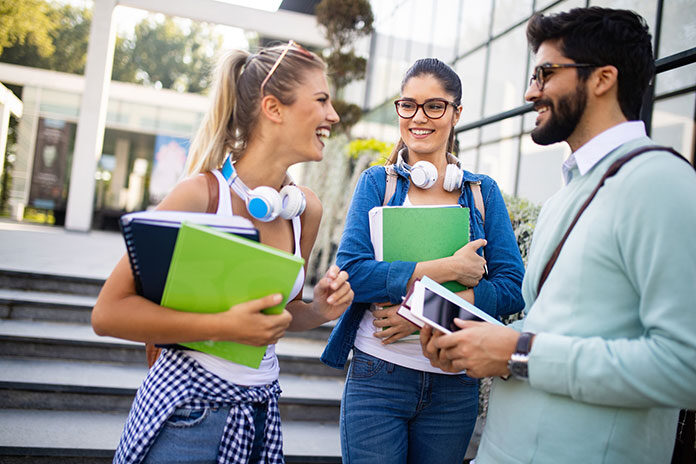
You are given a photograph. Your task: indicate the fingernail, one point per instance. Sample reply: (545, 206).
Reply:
(330, 299)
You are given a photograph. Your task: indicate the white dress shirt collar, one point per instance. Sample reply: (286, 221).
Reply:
(598, 147)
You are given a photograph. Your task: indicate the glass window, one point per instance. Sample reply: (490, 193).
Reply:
(467, 159)
(498, 130)
(678, 27)
(471, 72)
(675, 79)
(444, 37)
(646, 8)
(563, 6)
(507, 78)
(58, 102)
(499, 161)
(473, 28)
(673, 123)
(509, 12)
(468, 139)
(540, 170)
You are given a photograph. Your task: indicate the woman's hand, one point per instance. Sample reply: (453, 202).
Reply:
(467, 265)
(245, 323)
(397, 326)
(332, 294)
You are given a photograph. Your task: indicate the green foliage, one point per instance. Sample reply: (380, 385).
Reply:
(343, 22)
(372, 147)
(349, 113)
(68, 39)
(523, 216)
(160, 53)
(26, 22)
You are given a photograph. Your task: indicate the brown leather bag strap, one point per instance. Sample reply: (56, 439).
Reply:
(213, 192)
(613, 169)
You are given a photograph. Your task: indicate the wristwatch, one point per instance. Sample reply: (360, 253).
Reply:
(518, 361)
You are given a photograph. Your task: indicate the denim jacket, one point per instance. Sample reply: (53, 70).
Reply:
(375, 281)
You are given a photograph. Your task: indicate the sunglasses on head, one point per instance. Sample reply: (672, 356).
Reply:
(291, 44)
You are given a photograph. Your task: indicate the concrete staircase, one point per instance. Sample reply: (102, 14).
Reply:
(65, 392)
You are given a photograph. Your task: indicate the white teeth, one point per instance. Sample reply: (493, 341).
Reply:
(543, 109)
(421, 131)
(323, 132)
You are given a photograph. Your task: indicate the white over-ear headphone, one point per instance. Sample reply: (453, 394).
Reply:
(424, 173)
(263, 202)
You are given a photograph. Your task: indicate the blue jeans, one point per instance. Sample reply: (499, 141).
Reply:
(193, 435)
(395, 415)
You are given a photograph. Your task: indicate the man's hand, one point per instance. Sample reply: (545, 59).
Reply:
(480, 348)
(397, 326)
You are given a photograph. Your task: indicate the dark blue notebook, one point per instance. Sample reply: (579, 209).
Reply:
(150, 238)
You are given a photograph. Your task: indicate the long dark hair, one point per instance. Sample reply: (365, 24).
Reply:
(448, 79)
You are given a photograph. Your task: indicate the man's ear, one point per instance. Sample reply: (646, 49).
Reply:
(272, 108)
(607, 78)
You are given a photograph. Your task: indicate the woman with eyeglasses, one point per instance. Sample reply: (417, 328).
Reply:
(269, 110)
(396, 407)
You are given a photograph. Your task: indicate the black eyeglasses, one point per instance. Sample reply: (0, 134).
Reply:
(433, 108)
(541, 72)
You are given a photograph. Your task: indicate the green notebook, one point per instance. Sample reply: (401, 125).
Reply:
(212, 271)
(419, 233)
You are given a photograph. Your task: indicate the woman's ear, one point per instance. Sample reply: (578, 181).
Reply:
(455, 116)
(272, 108)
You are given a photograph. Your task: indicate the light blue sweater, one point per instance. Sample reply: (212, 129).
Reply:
(615, 354)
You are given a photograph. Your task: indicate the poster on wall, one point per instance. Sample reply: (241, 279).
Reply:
(47, 189)
(167, 166)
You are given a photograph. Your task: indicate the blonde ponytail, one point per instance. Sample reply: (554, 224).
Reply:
(215, 136)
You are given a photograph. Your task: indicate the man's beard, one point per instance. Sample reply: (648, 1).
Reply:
(564, 117)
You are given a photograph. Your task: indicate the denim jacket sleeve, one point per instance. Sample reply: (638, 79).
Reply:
(372, 281)
(499, 294)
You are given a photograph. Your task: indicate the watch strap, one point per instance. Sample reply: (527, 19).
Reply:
(524, 343)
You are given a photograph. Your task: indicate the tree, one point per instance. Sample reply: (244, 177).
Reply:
(68, 41)
(163, 54)
(26, 22)
(344, 21)
(160, 53)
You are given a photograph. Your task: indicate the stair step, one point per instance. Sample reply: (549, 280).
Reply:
(40, 339)
(34, 435)
(33, 281)
(89, 386)
(62, 307)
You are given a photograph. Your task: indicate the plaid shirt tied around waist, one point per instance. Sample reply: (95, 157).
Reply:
(177, 380)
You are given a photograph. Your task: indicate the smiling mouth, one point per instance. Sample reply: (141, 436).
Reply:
(322, 132)
(421, 132)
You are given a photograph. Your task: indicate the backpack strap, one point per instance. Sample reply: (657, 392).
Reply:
(613, 169)
(391, 184)
(152, 352)
(478, 199)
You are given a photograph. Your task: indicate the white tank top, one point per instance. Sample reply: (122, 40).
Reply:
(269, 368)
(406, 352)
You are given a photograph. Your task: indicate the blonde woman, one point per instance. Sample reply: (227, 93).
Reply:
(269, 110)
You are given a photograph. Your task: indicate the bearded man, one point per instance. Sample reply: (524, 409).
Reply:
(606, 356)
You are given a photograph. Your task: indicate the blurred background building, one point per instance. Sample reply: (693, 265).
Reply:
(134, 136)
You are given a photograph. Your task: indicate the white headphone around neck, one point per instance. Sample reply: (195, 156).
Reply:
(424, 173)
(265, 203)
